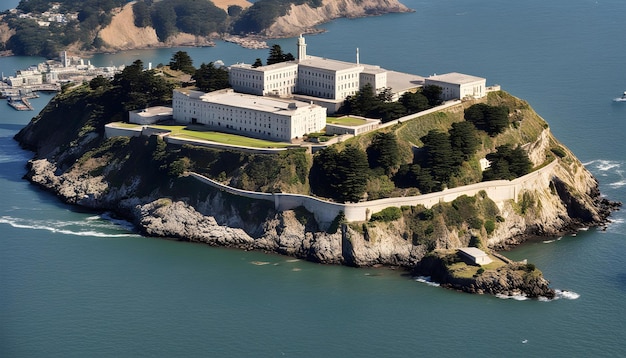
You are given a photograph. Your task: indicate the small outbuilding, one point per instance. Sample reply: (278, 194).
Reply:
(150, 115)
(475, 255)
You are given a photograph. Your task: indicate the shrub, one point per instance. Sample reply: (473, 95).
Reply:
(490, 226)
(558, 151)
(475, 223)
(387, 214)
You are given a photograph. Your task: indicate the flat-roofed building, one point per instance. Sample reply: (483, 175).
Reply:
(253, 116)
(150, 115)
(458, 86)
(278, 79)
(475, 255)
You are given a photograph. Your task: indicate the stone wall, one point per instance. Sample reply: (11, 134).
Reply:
(325, 211)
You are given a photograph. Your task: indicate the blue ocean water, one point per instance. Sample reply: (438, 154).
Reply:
(76, 284)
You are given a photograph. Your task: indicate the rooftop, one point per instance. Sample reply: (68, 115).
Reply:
(455, 77)
(264, 104)
(328, 64)
(473, 251)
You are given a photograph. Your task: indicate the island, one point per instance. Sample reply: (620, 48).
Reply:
(330, 161)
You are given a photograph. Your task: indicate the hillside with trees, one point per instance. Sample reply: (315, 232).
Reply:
(155, 23)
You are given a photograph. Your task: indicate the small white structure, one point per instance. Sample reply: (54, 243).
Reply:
(458, 86)
(476, 255)
(253, 116)
(367, 126)
(150, 115)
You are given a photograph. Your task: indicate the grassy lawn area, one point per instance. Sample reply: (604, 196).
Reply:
(126, 125)
(463, 270)
(225, 138)
(345, 121)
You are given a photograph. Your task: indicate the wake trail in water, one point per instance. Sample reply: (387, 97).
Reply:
(89, 227)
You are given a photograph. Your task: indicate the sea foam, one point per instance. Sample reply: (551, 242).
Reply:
(426, 280)
(65, 227)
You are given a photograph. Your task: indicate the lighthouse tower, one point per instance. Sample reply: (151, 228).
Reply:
(301, 48)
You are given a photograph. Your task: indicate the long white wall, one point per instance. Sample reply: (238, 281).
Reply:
(325, 211)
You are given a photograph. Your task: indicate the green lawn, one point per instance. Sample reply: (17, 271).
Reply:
(225, 138)
(127, 125)
(345, 121)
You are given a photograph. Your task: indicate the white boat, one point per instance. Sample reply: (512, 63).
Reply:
(620, 99)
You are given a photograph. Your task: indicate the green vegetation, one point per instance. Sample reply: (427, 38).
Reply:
(181, 61)
(507, 163)
(492, 119)
(262, 14)
(391, 213)
(210, 78)
(345, 121)
(219, 137)
(31, 39)
(169, 17)
(368, 104)
(339, 175)
(277, 55)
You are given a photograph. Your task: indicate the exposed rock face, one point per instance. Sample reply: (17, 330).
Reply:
(122, 34)
(303, 18)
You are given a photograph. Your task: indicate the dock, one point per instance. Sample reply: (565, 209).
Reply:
(20, 103)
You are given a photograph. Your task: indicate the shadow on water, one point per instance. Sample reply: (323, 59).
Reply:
(11, 127)
(620, 278)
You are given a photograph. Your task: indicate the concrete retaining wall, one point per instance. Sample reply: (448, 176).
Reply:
(325, 211)
(111, 130)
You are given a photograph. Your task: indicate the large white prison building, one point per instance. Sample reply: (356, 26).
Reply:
(324, 81)
(254, 116)
(257, 105)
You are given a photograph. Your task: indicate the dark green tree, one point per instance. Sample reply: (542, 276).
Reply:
(507, 163)
(210, 78)
(164, 20)
(384, 152)
(361, 103)
(99, 82)
(491, 119)
(137, 88)
(433, 94)
(464, 139)
(183, 62)
(439, 156)
(387, 111)
(257, 63)
(277, 55)
(322, 173)
(234, 10)
(141, 13)
(414, 102)
(352, 174)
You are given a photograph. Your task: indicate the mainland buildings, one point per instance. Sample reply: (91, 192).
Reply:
(287, 100)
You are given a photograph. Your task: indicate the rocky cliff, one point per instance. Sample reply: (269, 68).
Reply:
(122, 34)
(303, 18)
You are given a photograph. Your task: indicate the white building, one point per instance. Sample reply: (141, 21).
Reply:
(278, 79)
(458, 86)
(476, 255)
(324, 81)
(253, 116)
(150, 115)
(25, 78)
